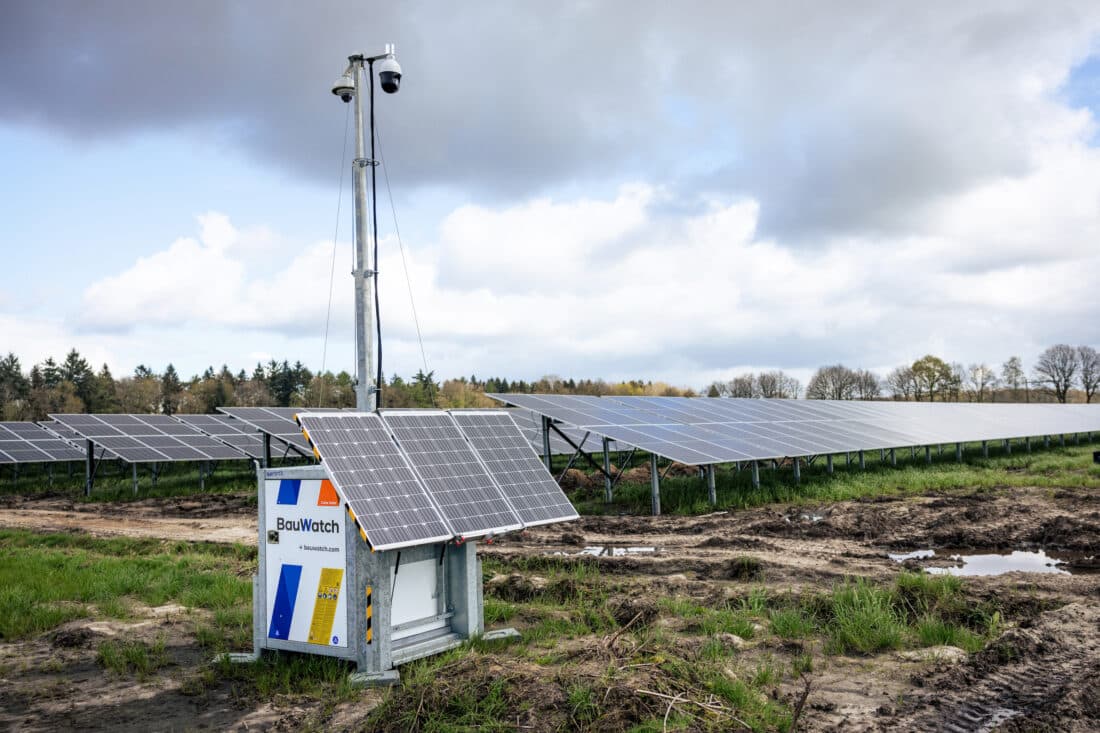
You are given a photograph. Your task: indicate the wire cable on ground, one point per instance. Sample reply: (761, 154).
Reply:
(405, 265)
(332, 267)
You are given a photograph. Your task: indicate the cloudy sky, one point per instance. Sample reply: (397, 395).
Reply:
(590, 189)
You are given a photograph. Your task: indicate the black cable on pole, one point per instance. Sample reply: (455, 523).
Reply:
(374, 216)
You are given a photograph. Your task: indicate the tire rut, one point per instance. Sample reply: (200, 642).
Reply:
(1027, 678)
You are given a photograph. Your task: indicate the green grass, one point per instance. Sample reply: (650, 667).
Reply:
(1054, 467)
(46, 580)
(135, 658)
(864, 619)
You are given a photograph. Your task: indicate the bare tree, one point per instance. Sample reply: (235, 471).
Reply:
(836, 382)
(777, 385)
(743, 386)
(1090, 370)
(868, 385)
(1056, 368)
(1012, 374)
(902, 383)
(981, 380)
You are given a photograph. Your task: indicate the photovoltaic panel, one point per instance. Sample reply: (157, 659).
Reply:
(460, 486)
(240, 435)
(278, 422)
(148, 438)
(375, 480)
(28, 442)
(697, 431)
(517, 470)
(530, 425)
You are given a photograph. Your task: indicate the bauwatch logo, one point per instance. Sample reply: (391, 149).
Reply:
(307, 524)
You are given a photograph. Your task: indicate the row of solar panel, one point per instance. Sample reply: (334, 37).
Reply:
(133, 438)
(702, 431)
(414, 477)
(144, 438)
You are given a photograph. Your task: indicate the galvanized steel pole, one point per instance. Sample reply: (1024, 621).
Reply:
(364, 341)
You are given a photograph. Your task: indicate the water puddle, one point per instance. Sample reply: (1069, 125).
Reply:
(609, 551)
(970, 565)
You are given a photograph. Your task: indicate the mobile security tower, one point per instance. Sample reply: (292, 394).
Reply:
(321, 589)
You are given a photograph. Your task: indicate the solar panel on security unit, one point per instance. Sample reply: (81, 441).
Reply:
(28, 442)
(389, 503)
(462, 489)
(515, 468)
(148, 438)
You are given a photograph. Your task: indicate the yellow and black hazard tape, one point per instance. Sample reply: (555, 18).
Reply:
(362, 532)
(316, 453)
(370, 614)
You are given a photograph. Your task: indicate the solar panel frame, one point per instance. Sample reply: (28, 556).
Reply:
(29, 442)
(278, 422)
(509, 460)
(773, 429)
(138, 438)
(366, 465)
(450, 469)
(229, 431)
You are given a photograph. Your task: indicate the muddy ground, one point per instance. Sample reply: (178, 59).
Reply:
(1042, 673)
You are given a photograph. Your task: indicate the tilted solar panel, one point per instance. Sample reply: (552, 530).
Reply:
(462, 489)
(148, 438)
(240, 435)
(389, 503)
(278, 422)
(515, 468)
(28, 442)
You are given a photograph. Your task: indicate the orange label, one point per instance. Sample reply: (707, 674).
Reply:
(327, 496)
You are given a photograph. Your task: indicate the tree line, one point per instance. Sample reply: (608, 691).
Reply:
(72, 386)
(1062, 373)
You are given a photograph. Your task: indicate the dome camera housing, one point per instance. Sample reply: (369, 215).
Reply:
(389, 74)
(344, 88)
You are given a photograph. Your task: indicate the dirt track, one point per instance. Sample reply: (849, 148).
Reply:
(1042, 674)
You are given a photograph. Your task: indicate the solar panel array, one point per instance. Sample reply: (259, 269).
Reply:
(476, 470)
(228, 430)
(530, 423)
(701, 431)
(278, 422)
(376, 480)
(27, 442)
(148, 438)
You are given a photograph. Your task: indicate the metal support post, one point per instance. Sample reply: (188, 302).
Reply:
(712, 492)
(1046, 441)
(862, 461)
(755, 474)
(882, 455)
(959, 452)
(1062, 440)
(893, 457)
(1027, 444)
(654, 485)
(829, 464)
(607, 470)
(912, 453)
(1008, 447)
(928, 454)
(133, 466)
(546, 441)
(797, 471)
(847, 458)
(985, 449)
(939, 449)
(1076, 438)
(267, 450)
(89, 468)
